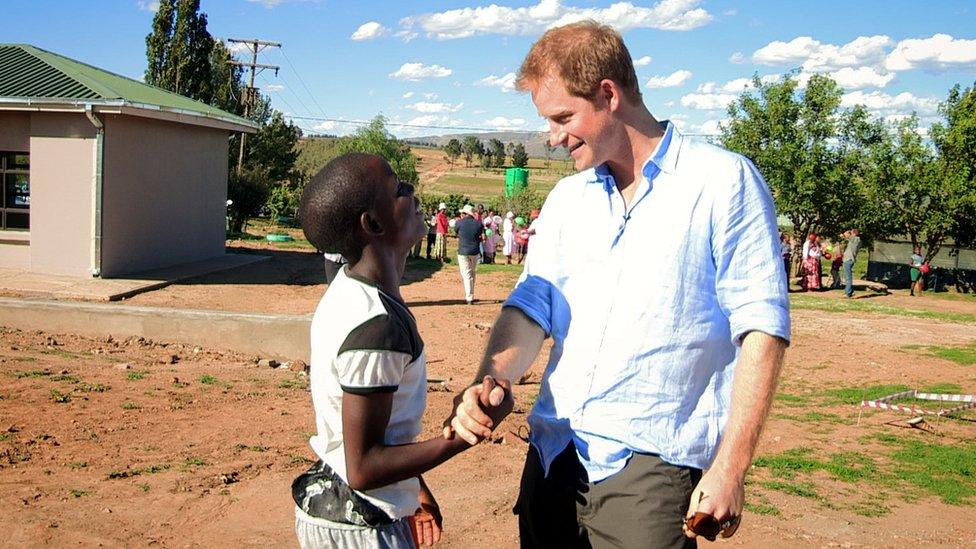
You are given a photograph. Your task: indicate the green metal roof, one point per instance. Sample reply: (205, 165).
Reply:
(34, 75)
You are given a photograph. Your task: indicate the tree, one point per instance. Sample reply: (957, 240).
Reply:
(549, 150)
(157, 43)
(956, 143)
(273, 148)
(248, 190)
(519, 157)
(794, 140)
(227, 81)
(497, 154)
(453, 151)
(470, 147)
(374, 139)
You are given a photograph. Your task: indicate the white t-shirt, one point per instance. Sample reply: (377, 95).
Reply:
(364, 341)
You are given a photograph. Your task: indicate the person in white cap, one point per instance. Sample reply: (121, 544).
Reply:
(508, 236)
(440, 240)
(469, 231)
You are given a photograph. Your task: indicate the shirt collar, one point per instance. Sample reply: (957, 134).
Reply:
(663, 159)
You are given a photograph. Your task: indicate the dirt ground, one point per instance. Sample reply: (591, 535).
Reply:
(134, 442)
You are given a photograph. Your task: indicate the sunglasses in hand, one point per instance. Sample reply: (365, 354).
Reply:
(708, 527)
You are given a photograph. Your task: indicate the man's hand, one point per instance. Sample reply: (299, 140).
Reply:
(718, 494)
(479, 409)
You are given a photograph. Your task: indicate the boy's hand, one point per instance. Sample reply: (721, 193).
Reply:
(425, 524)
(479, 409)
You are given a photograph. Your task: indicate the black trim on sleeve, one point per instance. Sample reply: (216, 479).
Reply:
(362, 391)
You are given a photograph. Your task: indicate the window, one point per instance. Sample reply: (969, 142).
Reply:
(15, 174)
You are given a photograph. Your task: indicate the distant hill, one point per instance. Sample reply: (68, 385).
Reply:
(533, 142)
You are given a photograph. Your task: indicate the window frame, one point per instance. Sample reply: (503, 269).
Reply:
(4, 209)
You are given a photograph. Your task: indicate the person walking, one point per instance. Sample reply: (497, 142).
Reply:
(850, 257)
(469, 231)
(664, 362)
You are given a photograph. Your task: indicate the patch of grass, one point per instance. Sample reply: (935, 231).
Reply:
(941, 388)
(945, 471)
(845, 466)
(143, 487)
(965, 355)
(129, 473)
(803, 490)
(300, 459)
(135, 375)
(92, 388)
(79, 493)
(130, 406)
(4, 436)
(832, 305)
(815, 417)
(763, 507)
(78, 464)
(256, 448)
(65, 377)
(192, 462)
(854, 395)
(297, 382)
(787, 399)
(66, 354)
(208, 379)
(59, 397)
(20, 374)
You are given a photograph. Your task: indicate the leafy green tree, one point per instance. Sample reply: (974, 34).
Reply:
(248, 190)
(227, 81)
(452, 151)
(549, 150)
(795, 141)
(375, 139)
(955, 141)
(470, 147)
(519, 157)
(453, 201)
(157, 43)
(273, 148)
(497, 152)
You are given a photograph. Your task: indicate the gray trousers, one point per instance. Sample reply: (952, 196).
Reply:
(643, 505)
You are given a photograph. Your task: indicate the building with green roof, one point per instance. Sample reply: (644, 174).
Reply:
(104, 175)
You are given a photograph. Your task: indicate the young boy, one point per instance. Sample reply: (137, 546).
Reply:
(368, 370)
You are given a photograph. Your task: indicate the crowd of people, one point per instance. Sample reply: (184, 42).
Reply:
(842, 254)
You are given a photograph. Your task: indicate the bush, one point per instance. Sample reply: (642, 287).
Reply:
(248, 190)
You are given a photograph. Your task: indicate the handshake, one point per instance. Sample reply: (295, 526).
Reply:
(479, 409)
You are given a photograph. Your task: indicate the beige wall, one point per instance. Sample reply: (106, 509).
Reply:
(14, 137)
(164, 194)
(62, 156)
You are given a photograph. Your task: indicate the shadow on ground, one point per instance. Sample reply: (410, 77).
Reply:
(296, 268)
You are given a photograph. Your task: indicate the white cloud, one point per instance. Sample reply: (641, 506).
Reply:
(324, 126)
(709, 127)
(938, 53)
(862, 77)
(814, 56)
(884, 104)
(506, 82)
(434, 107)
(430, 96)
(418, 71)
(369, 31)
(737, 58)
(708, 101)
(643, 61)
(673, 80)
(408, 95)
(428, 120)
(236, 47)
(147, 5)
(677, 15)
(267, 3)
(274, 88)
(500, 122)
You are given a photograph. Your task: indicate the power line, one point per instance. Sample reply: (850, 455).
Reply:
(302, 80)
(254, 46)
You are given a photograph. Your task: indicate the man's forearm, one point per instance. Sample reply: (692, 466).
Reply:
(756, 374)
(514, 344)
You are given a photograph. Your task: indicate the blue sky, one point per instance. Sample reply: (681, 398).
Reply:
(449, 64)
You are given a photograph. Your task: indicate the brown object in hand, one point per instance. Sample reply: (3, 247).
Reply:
(708, 527)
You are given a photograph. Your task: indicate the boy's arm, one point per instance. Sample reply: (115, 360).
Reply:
(369, 462)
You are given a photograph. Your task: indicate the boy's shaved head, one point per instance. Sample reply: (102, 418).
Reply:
(336, 197)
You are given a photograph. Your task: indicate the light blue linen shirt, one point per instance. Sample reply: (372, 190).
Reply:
(647, 307)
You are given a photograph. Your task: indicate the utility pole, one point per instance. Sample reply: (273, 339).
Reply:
(250, 93)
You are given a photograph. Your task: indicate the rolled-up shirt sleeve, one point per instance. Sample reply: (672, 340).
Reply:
(750, 277)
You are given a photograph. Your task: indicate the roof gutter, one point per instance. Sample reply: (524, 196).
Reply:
(97, 183)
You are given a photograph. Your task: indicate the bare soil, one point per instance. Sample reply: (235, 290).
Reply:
(135, 442)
